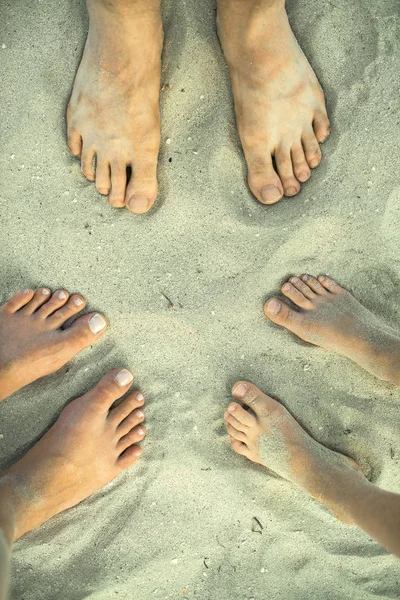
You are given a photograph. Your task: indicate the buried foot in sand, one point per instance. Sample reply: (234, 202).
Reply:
(33, 342)
(266, 433)
(87, 447)
(113, 114)
(279, 104)
(329, 316)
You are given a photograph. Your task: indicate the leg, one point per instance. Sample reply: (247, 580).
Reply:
(329, 316)
(279, 104)
(113, 114)
(34, 340)
(266, 433)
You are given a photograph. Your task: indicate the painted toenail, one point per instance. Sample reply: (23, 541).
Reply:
(291, 191)
(139, 414)
(97, 323)
(139, 397)
(62, 295)
(138, 204)
(240, 390)
(270, 194)
(78, 302)
(45, 292)
(273, 307)
(140, 431)
(123, 377)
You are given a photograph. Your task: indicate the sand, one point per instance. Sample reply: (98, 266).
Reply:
(180, 523)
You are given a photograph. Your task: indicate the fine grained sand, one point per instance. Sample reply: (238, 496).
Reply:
(179, 524)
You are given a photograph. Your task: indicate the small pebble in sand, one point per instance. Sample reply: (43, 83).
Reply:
(168, 141)
(174, 561)
(1, 436)
(3, 46)
(202, 97)
(195, 152)
(307, 367)
(12, 156)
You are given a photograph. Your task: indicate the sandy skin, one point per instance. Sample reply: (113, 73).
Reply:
(280, 107)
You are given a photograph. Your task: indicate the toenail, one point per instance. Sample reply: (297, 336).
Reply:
(305, 278)
(270, 194)
(138, 204)
(314, 162)
(273, 307)
(240, 390)
(123, 377)
(140, 431)
(62, 295)
(232, 408)
(291, 191)
(294, 280)
(287, 287)
(78, 302)
(139, 397)
(97, 323)
(26, 292)
(140, 414)
(303, 175)
(322, 278)
(45, 292)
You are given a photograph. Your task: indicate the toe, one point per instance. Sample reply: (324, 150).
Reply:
(321, 126)
(57, 300)
(330, 285)
(87, 163)
(296, 296)
(118, 184)
(235, 433)
(129, 456)
(284, 166)
(41, 296)
(280, 313)
(133, 437)
(241, 415)
(231, 420)
(142, 188)
(74, 305)
(74, 141)
(302, 287)
(141, 194)
(85, 331)
(239, 447)
(132, 420)
(19, 300)
(312, 150)
(126, 408)
(103, 180)
(314, 284)
(250, 395)
(110, 388)
(263, 180)
(300, 166)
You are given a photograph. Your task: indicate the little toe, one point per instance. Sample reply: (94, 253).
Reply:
(57, 300)
(312, 150)
(19, 300)
(302, 287)
(321, 126)
(314, 284)
(133, 437)
(241, 415)
(263, 180)
(284, 165)
(291, 292)
(118, 184)
(85, 331)
(235, 433)
(126, 408)
(87, 158)
(129, 456)
(74, 141)
(300, 165)
(330, 285)
(239, 447)
(103, 180)
(41, 296)
(74, 305)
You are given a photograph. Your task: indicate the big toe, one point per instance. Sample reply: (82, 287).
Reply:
(264, 181)
(85, 330)
(279, 312)
(253, 397)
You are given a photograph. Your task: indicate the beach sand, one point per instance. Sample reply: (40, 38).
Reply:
(181, 523)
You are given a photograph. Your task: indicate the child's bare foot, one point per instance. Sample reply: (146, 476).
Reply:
(268, 434)
(90, 443)
(279, 104)
(329, 316)
(113, 114)
(32, 341)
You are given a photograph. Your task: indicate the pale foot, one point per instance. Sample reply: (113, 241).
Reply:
(279, 104)
(329, 316)
(90, 443)
(33, 342)
(267, 434)
(113, 114)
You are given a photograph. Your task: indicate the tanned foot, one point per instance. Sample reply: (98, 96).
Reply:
(86, 448)
(279, 104)
(329, 316)
(113, 115)
(33, 342)
(266, 433)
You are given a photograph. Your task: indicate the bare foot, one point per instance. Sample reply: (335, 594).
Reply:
(33, 342)
(113, 113)
(329, 316)
(267, 434)
(279, 104)
(90, 443)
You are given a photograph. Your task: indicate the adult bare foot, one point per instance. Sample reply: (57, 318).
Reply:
(329, 316)
(279, 104)
(266, 433)
(33, 342)
(113, 114)
(90, 443)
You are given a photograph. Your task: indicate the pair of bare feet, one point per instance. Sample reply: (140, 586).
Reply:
(94, 439)
(113, 114)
